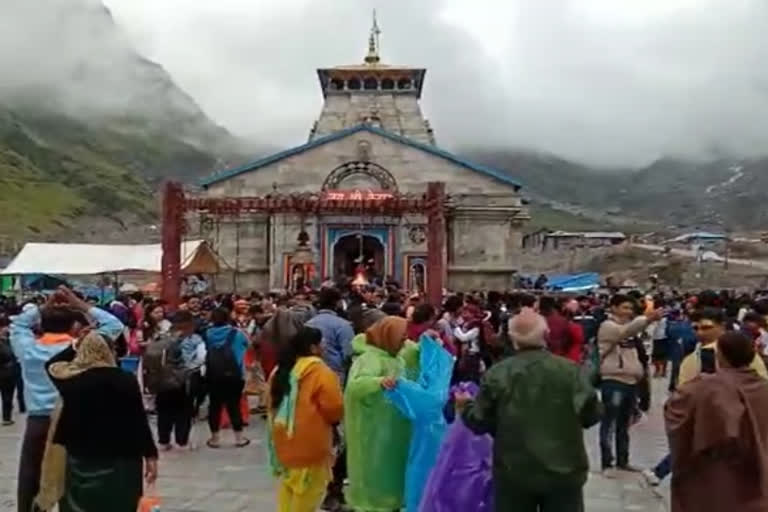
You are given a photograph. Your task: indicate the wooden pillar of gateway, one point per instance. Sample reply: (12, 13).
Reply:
(436, 261)
(171, 230)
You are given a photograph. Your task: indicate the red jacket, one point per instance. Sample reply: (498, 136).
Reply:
(577, 345)
(565, 338)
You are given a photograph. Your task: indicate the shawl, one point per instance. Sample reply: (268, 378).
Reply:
(718, 435)
(285, 415)
(92, 352)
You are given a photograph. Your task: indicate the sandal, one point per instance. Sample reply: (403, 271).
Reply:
(243, 443)
(210, 444)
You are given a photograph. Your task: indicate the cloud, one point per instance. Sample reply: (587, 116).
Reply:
(603, 82)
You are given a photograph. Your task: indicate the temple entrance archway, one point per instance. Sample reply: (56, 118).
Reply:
(360, 175)
(176, 205)
(356, 251)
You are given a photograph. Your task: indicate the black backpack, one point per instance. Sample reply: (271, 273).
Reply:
(162, 365)
(220, 361)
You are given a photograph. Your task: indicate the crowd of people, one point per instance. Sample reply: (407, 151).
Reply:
(371, 396)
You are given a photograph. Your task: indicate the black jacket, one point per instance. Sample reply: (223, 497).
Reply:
(103, 414)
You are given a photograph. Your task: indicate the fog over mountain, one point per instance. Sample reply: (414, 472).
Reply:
(89, 127)
(603, 82)
(101, 102)
(68, 56)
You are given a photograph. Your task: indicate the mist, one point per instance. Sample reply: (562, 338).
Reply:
(69, 56)
(606, 83)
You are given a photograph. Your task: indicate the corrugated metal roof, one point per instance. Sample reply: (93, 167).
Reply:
(588, 234)
(699, 235)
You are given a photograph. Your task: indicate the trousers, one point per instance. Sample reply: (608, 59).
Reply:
(302, 490)
(32, 451)
(225, 393)
(174, 415)
(619, 400)
(7, 388)
(663, 468)
(557, 500)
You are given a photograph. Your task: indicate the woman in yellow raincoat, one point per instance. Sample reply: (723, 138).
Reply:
(377, 434)
(305, 403)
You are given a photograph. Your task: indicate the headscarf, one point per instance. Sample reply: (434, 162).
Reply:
(92, 352)
(387, 334)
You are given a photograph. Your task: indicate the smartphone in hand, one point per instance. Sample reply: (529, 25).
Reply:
(708, 364)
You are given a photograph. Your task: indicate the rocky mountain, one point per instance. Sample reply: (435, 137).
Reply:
(88, 127)
(724, 194)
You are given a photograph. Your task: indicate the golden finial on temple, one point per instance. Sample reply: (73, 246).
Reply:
(373, 42)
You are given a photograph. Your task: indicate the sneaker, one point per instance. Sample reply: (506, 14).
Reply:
(629, 468)
(651, 478)
(611, 473)
(8, 423)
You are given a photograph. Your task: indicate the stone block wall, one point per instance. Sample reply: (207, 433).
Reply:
(411, 168)
(397, 113)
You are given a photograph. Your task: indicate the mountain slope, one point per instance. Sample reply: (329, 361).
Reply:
(56, 172)
(87, 135)
(721, 194)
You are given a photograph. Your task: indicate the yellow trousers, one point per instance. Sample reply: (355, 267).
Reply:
(303, 490)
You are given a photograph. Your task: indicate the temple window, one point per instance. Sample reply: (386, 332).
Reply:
(371, 84)
(337, 84)
(387, 84)
(353, 83)
(404, 84)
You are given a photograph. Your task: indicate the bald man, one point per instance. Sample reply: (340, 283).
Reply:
(535, 405)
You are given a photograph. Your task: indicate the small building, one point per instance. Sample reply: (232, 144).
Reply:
(700, 240)
(536, 239)
(562, 240)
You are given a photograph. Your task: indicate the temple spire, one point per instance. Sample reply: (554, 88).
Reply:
(373, 43)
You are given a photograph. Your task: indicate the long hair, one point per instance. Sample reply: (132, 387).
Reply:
(298, 346)
(151, 325)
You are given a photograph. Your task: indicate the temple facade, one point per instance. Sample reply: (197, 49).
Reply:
(370, 141)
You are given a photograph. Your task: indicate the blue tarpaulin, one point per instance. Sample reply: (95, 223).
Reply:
(574, 282)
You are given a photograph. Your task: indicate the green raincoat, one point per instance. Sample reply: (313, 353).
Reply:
(377, 435)
(535, 405)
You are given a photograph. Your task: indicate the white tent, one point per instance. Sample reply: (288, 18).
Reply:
(84, 259)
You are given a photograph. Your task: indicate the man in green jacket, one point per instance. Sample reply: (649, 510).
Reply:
(535, 405)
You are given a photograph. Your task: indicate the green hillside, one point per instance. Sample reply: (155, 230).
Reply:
(56, 171)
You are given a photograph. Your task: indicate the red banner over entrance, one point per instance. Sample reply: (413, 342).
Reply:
(357, 195)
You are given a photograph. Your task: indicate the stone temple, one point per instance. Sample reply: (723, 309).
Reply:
(370, 139)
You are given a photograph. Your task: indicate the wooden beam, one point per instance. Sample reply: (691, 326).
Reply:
(172, 230)
(436, 232)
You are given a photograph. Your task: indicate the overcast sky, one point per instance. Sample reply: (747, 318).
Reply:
(610, 82)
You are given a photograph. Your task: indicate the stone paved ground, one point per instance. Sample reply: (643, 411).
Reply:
(231, 480)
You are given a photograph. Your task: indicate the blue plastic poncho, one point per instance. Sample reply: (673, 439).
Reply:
(462, 475)
(422, 402)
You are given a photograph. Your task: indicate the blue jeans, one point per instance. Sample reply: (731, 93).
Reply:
(663, 468)
(619, 401)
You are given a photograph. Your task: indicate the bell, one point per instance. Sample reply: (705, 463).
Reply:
(302, 256)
